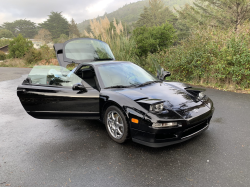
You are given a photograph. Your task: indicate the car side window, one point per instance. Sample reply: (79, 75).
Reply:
(87, 73)
(53, 76)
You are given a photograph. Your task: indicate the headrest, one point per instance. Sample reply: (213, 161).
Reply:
(88, 74)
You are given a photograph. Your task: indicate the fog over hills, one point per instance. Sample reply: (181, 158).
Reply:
(130, 13)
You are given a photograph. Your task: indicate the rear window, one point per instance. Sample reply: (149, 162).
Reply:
(87, 49)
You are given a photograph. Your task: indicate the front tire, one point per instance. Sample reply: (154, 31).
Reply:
(116, 124)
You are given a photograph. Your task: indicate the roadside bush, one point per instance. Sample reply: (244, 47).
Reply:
(32, 56)
(2, 55)
(153, 39)
(4, 42)
(47, 54)
(209, 56)
(63, 38)
(35, 55)
(19, 46)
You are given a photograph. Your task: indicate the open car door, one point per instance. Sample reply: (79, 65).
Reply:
(80, 50)
(54, 92)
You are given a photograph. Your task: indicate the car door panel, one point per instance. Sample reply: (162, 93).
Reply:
(55, 102)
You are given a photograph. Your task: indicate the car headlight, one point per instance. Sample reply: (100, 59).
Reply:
(201, 95)
(157, 107)
(169, 124)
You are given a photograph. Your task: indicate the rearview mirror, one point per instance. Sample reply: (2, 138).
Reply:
(163, 75)
(79, 87)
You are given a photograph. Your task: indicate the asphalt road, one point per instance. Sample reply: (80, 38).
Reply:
(79, 152)
(12, 73)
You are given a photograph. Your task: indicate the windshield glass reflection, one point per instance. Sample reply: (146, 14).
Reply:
(123, 74)
(88, 50)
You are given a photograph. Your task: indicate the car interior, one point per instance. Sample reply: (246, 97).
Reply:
(87, 73)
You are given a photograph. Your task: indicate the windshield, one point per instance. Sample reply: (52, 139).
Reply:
(86, 49)
(123, 74)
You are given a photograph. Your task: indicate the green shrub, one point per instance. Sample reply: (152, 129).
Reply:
(47, 53)
(4, 33)
(63, 38)
(19, 46)
(2, 55)
(209, 56)
(153, 39)
(35, 55)
(123, 48)
(4, 42)
(32, 56)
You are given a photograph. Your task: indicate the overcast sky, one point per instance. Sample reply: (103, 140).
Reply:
(38, 10)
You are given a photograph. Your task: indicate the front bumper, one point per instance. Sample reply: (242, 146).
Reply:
(169, 136)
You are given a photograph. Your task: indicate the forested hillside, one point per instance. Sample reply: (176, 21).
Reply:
(130, 13)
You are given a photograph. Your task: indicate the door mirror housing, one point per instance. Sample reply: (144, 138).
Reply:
(163, 74)
(27, 81)
(79, 87)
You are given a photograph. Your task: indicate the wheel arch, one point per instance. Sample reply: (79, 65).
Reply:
(112, 103)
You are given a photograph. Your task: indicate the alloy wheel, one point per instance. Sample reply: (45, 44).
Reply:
(115, 124)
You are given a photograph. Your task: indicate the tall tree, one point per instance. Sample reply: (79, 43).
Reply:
(4, 33)
(25, 27)
(73, 30)
(156, 14)
(145, 18)
(218, 13)
(56, 24)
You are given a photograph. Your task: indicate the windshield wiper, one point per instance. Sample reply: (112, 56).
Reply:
(101, 59)
(118, 86)
(147, 83)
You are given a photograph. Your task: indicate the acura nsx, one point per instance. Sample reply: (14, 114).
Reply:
(131, 102)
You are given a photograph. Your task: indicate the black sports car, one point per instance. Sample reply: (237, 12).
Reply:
(131, 102)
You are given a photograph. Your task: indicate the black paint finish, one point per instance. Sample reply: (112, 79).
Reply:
(58, 102)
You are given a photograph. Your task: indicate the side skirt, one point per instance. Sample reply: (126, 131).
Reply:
(64, 115)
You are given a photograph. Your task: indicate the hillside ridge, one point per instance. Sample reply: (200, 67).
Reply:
(130, 13)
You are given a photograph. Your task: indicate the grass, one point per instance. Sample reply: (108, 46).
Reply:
(20, 63)
(228, 88)
(15, 62)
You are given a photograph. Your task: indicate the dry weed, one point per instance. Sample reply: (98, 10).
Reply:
(15, 62)
(53, 62)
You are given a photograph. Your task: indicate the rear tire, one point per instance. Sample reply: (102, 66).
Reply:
(116, 124)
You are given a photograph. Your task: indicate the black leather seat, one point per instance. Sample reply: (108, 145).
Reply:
(89, 77)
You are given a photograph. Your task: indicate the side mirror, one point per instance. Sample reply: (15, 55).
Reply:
(163, 75)
(27, 81)
(79, 87)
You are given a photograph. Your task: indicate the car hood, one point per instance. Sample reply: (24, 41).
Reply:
(176, 99)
